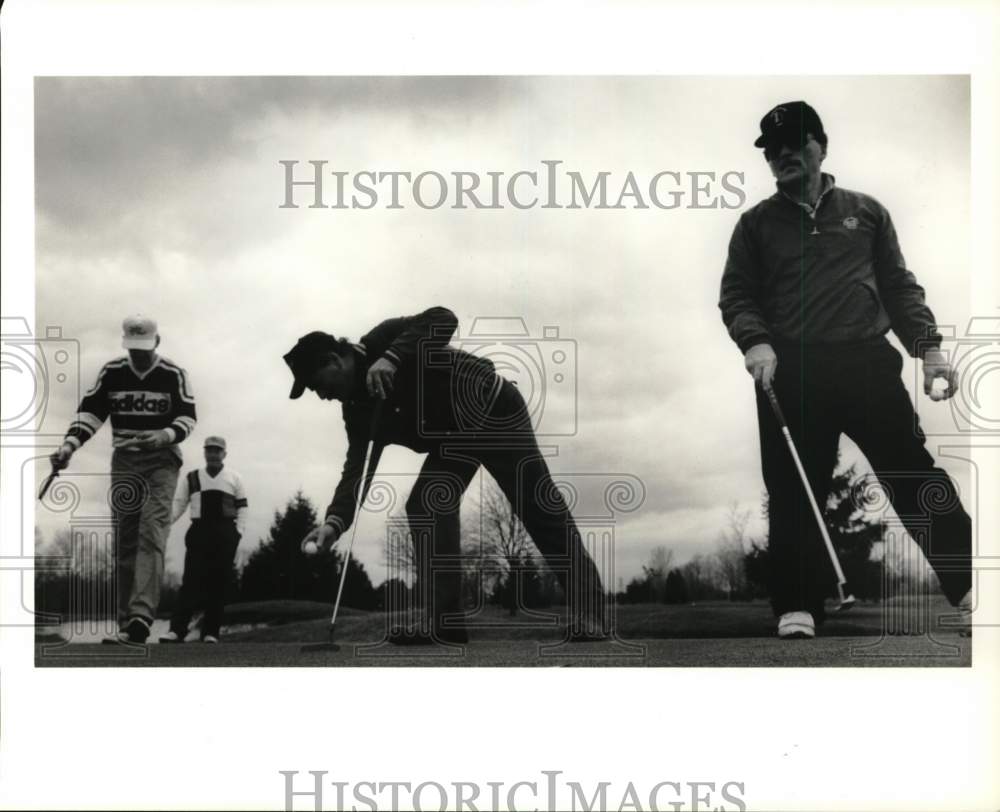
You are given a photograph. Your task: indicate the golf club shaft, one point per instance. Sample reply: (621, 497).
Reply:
(841, 580)
(45, 485)
(362, 493)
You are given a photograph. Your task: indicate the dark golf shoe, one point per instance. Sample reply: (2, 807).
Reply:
(136, 632)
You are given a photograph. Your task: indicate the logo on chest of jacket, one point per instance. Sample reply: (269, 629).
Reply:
(850, 223)
(139, 402)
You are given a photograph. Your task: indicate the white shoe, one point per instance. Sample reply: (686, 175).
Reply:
(793, 625)
(171, 637)
(210, 638)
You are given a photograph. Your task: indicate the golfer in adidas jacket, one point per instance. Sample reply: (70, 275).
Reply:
(148, 400)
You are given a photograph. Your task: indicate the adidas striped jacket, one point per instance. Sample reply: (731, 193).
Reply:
(159, 398)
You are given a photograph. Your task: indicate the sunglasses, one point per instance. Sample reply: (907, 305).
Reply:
(794, 141)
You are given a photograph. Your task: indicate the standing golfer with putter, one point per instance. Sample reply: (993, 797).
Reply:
(813, 282)
(451, 405)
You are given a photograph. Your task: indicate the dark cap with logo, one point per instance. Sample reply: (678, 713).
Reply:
(308, 355)
(788, 123)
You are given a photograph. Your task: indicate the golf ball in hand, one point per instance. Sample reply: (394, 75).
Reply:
(939, 390)
(311, 548)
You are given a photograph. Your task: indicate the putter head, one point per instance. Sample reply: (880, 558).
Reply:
(846, 603)
(329, 645)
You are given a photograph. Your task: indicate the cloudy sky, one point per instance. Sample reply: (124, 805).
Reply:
(163, 196)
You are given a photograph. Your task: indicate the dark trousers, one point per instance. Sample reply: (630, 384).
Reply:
(855, 391)
(508, 450)
(210, 550)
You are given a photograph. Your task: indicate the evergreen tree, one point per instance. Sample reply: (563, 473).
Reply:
(852, 535)
(278, 569)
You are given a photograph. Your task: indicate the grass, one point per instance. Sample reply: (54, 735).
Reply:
(278, 612)
(292, 621)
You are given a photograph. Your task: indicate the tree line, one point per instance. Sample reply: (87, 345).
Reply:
(500, 564)
(738, 568)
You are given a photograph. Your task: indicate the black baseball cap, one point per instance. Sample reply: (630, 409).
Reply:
(788, 123)
(308, 355)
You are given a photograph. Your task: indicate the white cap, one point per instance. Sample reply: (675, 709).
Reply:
(139, 333)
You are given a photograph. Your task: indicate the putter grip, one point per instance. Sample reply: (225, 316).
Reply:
(48, 481)
(775, 406)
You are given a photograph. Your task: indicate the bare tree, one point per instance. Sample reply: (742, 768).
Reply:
(74, 574)
(703, 577)
(730, 552)
(398, 554)
(84, 554)
(661, 561)
(498, 541)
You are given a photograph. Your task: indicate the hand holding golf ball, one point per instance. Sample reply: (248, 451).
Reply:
(940, 378)
(939, 389)
(319, 539)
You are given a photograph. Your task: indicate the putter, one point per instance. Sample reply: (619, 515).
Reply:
(48, 481)
(847, 600)
(366, 481)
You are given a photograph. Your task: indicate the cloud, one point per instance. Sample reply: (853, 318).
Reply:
(136, 163)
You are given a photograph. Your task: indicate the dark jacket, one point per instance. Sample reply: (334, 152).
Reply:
(836, 277)
(439, 394)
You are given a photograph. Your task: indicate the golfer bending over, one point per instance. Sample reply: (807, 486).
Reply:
(813, 282)
(453, 407)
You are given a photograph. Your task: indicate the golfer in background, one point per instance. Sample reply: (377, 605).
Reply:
(813, 282)
(453, 407)
(218, 517)
(149, 402)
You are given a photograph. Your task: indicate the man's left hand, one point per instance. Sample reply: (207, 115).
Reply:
(379, 380)
(936, 365)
